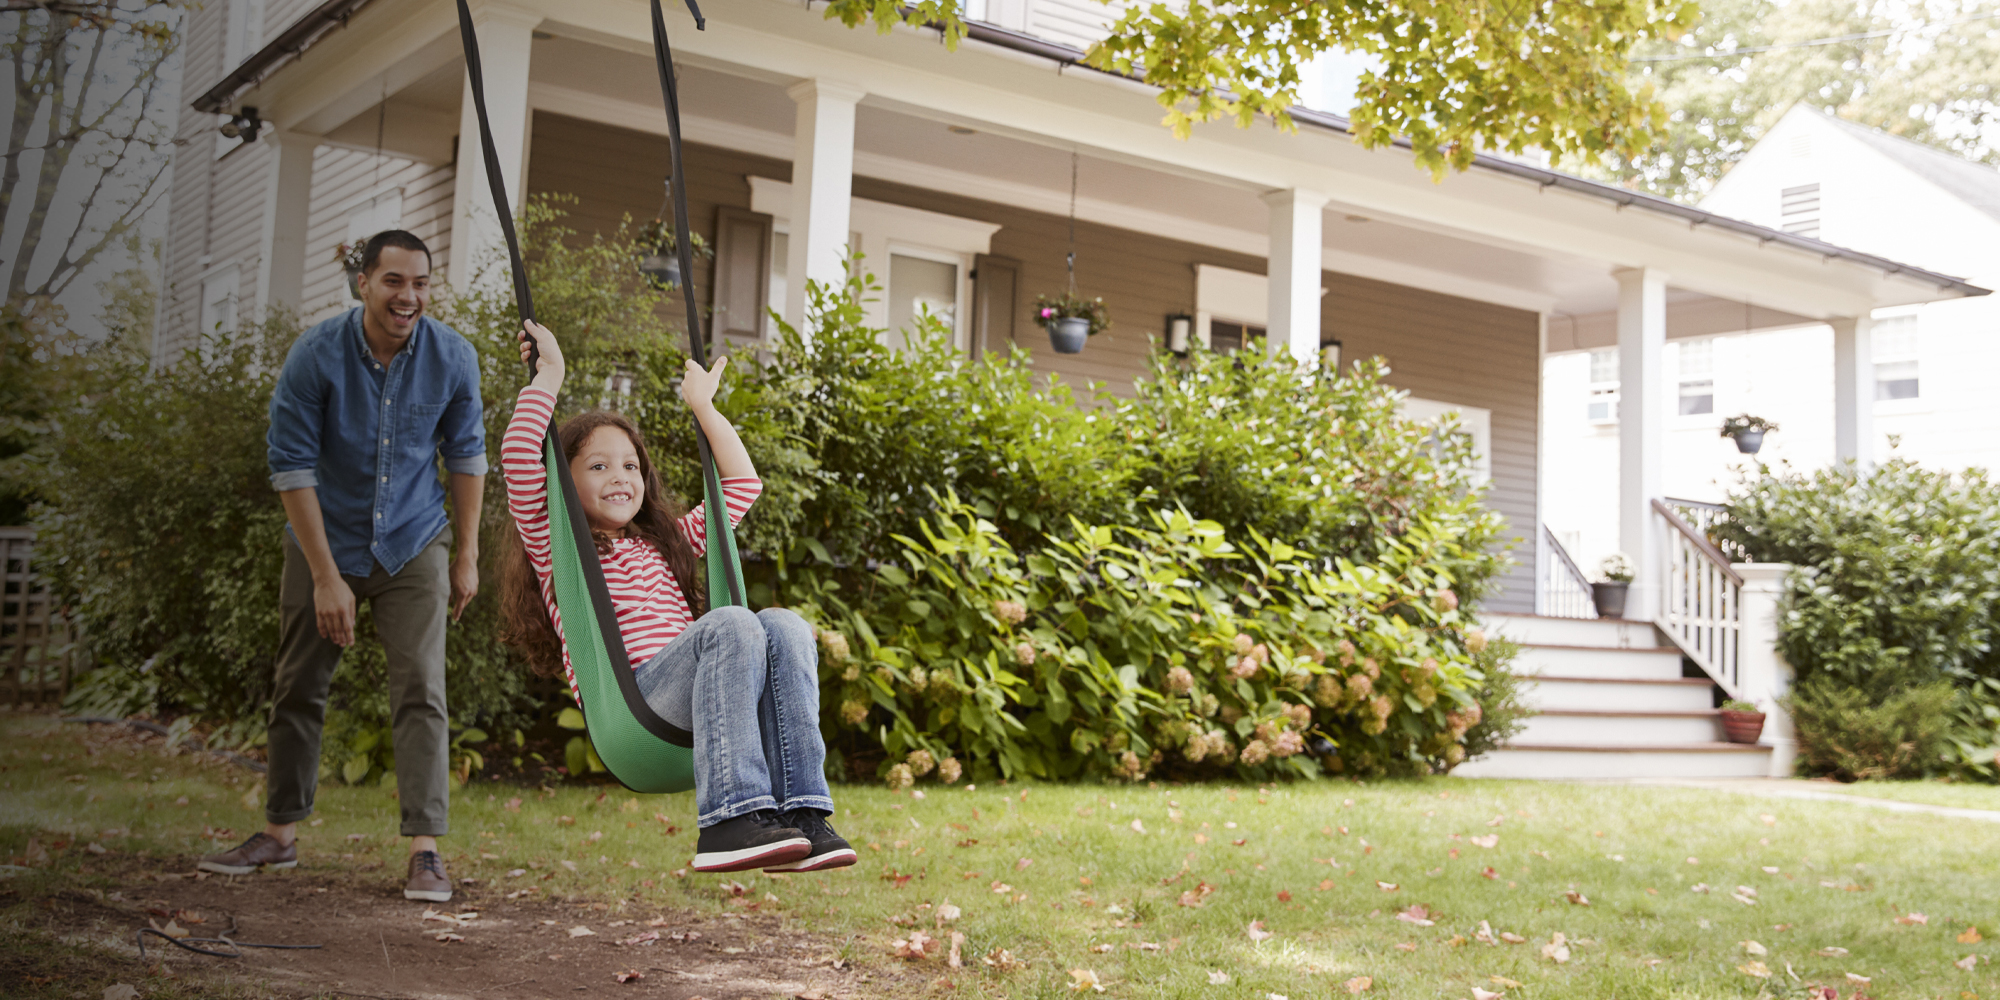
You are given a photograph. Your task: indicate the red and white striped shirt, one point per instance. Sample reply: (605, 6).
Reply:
(647, 599)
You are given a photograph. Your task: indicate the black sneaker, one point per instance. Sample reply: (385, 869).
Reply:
(753, 840)
(828, 849)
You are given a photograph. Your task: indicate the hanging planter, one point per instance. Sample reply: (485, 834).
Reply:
(349, 256)
(662, 265)
(1747, 431)
(1070, 320)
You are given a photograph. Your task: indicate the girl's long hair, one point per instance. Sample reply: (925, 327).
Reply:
(525, 623)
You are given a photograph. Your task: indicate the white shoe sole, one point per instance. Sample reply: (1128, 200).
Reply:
(222, 869)
(812, 863)
(748, 857)
(428, 896)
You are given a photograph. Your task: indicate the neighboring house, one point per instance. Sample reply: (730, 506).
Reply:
(1922, 384)
(952, 172)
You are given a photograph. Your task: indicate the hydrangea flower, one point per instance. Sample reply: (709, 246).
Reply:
(1024, 653)
(1180, 680)
(1011, 612)
(1255, 752)
(899, 777)
(921, 762)
(948, 770)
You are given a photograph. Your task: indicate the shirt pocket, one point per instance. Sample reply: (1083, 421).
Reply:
(417, 429)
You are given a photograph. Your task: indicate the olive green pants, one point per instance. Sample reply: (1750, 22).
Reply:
(409, 610)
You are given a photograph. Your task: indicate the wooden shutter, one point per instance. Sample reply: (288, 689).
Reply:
(996, 283)
(742, 272)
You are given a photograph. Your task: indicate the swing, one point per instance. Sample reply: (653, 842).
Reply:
(644, 752)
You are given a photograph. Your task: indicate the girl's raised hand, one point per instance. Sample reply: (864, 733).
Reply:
(536, 340)
(698, 385)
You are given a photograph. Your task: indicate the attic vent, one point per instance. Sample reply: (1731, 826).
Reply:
(1798, 210)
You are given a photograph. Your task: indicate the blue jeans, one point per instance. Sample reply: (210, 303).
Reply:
(747, 686)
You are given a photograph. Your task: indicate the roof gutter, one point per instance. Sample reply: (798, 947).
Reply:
(302, 35)
(308, 30)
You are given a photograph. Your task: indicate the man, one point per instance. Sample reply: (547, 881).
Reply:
(366, 405)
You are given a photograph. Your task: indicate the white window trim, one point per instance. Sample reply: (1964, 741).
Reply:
(367, 203)
(223, 277)
(879, 229)
(1473, 420)
(1714, 414)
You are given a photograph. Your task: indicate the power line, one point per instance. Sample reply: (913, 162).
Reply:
(1815, 42)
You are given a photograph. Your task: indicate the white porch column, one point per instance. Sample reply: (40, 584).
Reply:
(281, 246)
(505, 36)
(822, 188)
(1765, 676)
(1642, 416)
(1294, 271)
(1854, 390)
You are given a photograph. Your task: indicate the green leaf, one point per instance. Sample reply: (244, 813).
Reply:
(355, 769)
(576, 755)
(570, 718)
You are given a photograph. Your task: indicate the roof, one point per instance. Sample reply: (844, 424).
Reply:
(1970, 181)
(333, 14)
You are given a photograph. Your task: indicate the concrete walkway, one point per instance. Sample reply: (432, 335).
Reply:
(1777, 788)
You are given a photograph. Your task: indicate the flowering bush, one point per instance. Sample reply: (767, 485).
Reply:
(1067, 306)
(1163, 649)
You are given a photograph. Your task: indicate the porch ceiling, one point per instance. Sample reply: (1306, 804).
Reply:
(1484, 235)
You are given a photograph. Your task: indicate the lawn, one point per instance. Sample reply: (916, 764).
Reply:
(1956, 795)
(1160, 890)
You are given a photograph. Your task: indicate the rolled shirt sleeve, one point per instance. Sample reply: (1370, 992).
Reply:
(462, 428)
(297, 405)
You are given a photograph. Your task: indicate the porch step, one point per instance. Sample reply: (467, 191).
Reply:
(1547, 693)
(1604, 633)
(1606, 663)
(1620, 728)
(1677, 760)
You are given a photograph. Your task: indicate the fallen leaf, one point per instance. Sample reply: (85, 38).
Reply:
(514, 804)
(1485, 934)
(643, 938)
(946, 913)
(1769, 820)
(1576, 897)
(1971, 936)
(1479, 994)
(1359, 984)
(121, 991)
(1217, 977)
(1831, 952)
(1700, 887)
(1754, 949)
(1000, 888)
(955, 959)
(1084, 979)
(1758, 969)
(1138, 827)
(1488, 872)
(1418, 914)
(581, 931)
(447, 937)
(567, 863)
(1914, 918)
(1256, 931)
(1859, 979)
(1405, 946)
(1387, 886)
(1967, 962)
(1512, 938)
(1325, 884)
(1276, 996)
(1022, 865)
(1496, 821)
(630, 976)
(1770, 870)
(1284, 895)
(1557, 950)
(1504, 981)
(1488, 841)
(1745, 898)
(1103, 947)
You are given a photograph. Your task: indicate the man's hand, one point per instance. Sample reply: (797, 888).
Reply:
(464, 584)
(333, 603)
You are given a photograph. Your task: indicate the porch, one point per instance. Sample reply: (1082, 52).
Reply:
(960, 177)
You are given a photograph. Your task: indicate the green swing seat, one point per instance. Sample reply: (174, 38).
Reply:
(643, 751)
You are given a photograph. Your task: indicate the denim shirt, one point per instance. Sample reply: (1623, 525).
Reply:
(368, 437)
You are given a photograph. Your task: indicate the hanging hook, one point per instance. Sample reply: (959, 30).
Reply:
(1071, 260)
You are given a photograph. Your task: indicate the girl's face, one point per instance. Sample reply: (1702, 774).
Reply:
(606, 470)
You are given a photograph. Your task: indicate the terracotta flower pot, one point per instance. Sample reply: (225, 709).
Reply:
(1609, 596)
(1742, 727)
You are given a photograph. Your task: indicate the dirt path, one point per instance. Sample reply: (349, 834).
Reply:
(377, 944)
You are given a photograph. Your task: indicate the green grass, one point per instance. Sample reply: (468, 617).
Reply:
(1092, 879)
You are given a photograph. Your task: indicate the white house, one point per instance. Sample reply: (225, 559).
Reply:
(952, 171)
(1922, 387)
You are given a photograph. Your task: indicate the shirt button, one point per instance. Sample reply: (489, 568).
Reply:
(385, 440)
(385, 479)
(378, 515)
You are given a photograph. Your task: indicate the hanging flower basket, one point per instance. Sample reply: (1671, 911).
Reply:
(349, 256)
(1070, 320)
(1747, 431)
(662, 265)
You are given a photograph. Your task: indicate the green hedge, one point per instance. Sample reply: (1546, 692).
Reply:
(166, 532)
(1896, 596)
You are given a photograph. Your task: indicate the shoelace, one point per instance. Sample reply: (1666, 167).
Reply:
(428, 861)
(812, 824)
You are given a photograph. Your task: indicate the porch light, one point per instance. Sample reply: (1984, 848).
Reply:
(1329, 355)
(1180, 329)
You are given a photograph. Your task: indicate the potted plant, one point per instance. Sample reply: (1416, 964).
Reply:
(349, 256)
(1070, 319)
(1609, 593)
(662, 262)
(1747, 431)
(1741, 722)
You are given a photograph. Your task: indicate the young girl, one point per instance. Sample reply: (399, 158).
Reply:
(746, 685)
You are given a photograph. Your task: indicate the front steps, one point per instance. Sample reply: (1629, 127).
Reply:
(1613, 704)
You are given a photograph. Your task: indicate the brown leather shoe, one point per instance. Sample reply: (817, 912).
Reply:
(260, 851)
(427, 878)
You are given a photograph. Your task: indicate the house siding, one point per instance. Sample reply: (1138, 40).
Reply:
(1438, 346)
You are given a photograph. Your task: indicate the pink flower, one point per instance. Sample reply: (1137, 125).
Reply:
(1048, 313)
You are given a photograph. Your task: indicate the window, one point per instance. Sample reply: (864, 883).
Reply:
(1225, 337)
(1895, 346)
(1798, 210)
(918, 285)
(219, 291)
(1697, 377)
(1603, 407)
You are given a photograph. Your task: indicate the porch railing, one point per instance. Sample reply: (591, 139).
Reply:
(1704, 518)
(1701, 599)
(1565, 590)
(35, 637)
